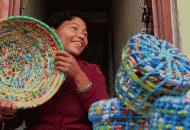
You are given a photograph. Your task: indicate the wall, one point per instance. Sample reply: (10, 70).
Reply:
(183, 10)
(34, 8)
(127, 16)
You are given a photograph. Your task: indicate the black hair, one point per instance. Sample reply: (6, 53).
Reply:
(61, 16)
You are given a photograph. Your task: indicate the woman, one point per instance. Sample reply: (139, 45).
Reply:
(85, 83)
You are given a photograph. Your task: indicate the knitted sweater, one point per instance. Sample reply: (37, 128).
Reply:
(67, 109)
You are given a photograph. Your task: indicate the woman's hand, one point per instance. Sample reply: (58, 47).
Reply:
(7, 108)
(67, 64)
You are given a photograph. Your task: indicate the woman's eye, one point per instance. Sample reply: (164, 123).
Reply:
(86, 34)
(74, 28)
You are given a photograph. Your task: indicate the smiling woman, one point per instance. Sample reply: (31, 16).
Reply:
(85, 83)
(73, 34)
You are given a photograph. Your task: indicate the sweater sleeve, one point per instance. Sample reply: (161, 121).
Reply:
(98, 90)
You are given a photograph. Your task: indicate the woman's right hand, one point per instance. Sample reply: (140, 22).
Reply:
(7, 108)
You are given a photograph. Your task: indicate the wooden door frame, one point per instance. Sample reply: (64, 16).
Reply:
(160, 11)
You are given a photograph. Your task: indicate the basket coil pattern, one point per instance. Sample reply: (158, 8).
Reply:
(111, 114)
(27, 73)
(171, 113)
(155, 68)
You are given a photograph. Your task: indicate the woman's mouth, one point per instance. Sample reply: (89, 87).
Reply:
(79, 43)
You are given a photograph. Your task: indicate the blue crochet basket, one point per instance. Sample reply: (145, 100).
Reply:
(154, 68)
(132, 93)
(110, 114)
(171, 113)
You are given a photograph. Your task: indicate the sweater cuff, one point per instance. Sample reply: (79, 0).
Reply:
(87, 93)
(97, 91)
(86, 87)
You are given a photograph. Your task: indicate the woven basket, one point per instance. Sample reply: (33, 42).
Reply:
(27, 72)
(154, 68)
(171, 113)
(110, 114)
(132, 93)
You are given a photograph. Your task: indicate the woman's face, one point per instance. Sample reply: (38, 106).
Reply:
(73, 34)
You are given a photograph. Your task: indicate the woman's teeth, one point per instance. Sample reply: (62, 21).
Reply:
(78, 43)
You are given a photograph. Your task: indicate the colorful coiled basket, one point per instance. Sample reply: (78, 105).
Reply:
(171, 113)
(150, 69)
(131, 92)
(27, 73)
(111, 114)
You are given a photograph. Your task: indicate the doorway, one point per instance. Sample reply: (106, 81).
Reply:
(99, 30)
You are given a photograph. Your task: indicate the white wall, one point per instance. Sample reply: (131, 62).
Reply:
(184, 19)
(127, 16)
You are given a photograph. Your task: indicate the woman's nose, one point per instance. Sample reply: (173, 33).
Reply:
(81, 35)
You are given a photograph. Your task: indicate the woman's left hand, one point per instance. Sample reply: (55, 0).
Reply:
(67, 64)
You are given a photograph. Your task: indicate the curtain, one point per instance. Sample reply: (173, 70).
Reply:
(10, 8)
(162, 19)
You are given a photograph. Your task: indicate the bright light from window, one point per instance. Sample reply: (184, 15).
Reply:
(184, 19)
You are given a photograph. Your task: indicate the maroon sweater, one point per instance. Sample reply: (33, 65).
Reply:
(67, 109)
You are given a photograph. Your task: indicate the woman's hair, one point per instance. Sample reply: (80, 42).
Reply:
(60, 17)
